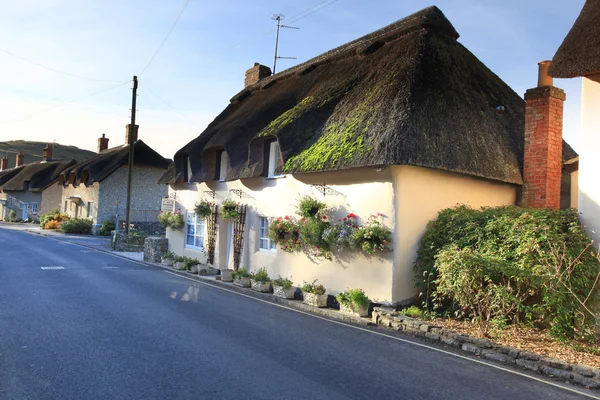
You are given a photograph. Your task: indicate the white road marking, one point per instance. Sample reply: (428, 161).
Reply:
(87, 251)
(108, 267)
(53, 267)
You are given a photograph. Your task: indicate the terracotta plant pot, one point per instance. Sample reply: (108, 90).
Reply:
(279, 291)
(167, 262)
(179, 265)
(243, 282)
(317, 300)
(227, 275)
(352, 309)
(264, 287)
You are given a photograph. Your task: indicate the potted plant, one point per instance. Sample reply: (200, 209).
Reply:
(241, 277)
(203, 208)
(179, 263)
(309, 207)
(285, 231)
(167, 259)
(229, 210)
(371, 238)
(227, 275)
(283, 287)
(314, 294)
(354, 301)
(176, 221)
(260, 280)
(192, 264)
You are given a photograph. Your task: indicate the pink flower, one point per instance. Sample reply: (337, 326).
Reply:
(379, 214)
(317, 247)
(286, 217)
(324, 216)
(339, 220)
(278, 226)
(278, 218)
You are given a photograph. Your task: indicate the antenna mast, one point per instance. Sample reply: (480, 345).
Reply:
(279, 18)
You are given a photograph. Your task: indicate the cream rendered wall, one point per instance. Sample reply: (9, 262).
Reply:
(574, 189)
(589, 158)
(362, 191)
(420, 193)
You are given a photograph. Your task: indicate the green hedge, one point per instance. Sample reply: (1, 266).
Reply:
(505, 264)
(106, 228)
(77, 225)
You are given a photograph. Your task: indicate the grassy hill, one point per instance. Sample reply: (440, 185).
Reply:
(33, 151)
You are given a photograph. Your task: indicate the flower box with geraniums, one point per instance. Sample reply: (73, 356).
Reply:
(203, 208)
(371, 238)
(283, 287)
(285, 232)
(260, 281)
(310, 207)
(227, 275)
(179, 263)
(314, 294)
(241, 277)
(354, 301)
(229, 210)
(167, 259)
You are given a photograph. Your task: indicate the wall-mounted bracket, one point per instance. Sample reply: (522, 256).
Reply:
(326, 190)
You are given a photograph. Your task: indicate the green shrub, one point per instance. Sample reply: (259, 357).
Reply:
(261, 275)
(240, 273)
(353, 297)
(313, 287)
(413, 312)
(169, 256)
(77, 225)
(49, 216)
(12, 216)
(286, 283)
(172, 220)
(190, 262)
(511, 264)
(106, 228)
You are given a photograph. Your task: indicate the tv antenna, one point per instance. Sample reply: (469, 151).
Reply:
(279, 18)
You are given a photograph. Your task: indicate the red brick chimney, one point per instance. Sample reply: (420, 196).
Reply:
(542, 164)
(131, 132)
(102, 143)
(256, 73)
(20, 159)
(3, 163)
(47, 153)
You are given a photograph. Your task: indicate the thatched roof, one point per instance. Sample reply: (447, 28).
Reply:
(35, 176)
(408, 94)
(579, 53)
(103, 164)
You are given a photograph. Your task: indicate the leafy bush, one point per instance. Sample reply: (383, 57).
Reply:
(77, 225)
(52, 224)
(203, 208)
(240, 273)
(413, 312)
(174, 220)
(353, 297)
(286, 283)
(511, 264)
(190, 262)
(229, 210)
(313, 287)
(106, 228)
(169, 256)
(177, 259)
(309, 207)
(50, 215)
(12, 216)
(261, 275)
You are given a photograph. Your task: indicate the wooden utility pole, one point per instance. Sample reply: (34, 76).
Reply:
(132, 135)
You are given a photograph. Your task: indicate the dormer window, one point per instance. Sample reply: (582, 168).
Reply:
(223, 163)
(274, 157)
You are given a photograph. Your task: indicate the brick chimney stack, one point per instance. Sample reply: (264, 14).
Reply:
(542, 164)
(47, 153)
(3, 163)
(131, 132)
(102, 143)
(256, 73)
(20, 159)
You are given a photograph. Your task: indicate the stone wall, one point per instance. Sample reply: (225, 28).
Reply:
(155, 248)
(51, 198)
(148, 228)
(134, 243)
(88, 194)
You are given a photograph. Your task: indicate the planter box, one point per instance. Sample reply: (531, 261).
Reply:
(194, 269)
(279, 291)
(208, 271)
(243, 282)
(179, 266)
(264, 287)
(227, 275)
(317, 300)
(351, 309)
(168, 262)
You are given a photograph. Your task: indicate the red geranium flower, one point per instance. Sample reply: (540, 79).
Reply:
(351, 215)
(345, 219)
(355, 226)
(286, 217)
(324, 216)
(278, 226)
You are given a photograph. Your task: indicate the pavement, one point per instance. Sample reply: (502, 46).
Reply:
(79, 323)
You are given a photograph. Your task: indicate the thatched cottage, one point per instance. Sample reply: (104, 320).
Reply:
(579, 56)
(97, 187)
(404, 122)
(30, 189)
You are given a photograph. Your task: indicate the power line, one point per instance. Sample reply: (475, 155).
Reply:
(291, 20)
(64, 103)
(166, 37)
(169, 105)
(54, 69)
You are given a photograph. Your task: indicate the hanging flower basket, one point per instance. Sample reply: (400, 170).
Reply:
(229, 210)
(203, 208)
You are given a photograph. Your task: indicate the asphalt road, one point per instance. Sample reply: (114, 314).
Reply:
(108, 328)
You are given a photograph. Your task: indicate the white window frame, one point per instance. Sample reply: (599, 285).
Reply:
(274, 157)
(224, 161)
(34, 207)
(263, 236)
(90, 209)
(199, 230)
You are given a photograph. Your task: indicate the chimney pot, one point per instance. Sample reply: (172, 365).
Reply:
(102, 143)
(131, 135)
(20, 159)
(3, 163)
(256, 73)
(543, 78)
(47, 153)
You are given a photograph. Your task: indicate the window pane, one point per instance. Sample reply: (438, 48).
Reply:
(189, 240)
(273, 245)
(264, 244)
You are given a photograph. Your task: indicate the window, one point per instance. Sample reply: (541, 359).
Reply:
(223, 162)
(264, 243)
(66, 205)
(194, 231)
(274, 156)
(90, 209)
(33, 208)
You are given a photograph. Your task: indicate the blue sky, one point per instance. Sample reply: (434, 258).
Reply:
(202, 64)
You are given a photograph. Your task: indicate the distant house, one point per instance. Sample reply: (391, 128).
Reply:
(30, 189)
(97, 187)
(404, 122)
(579, 56)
